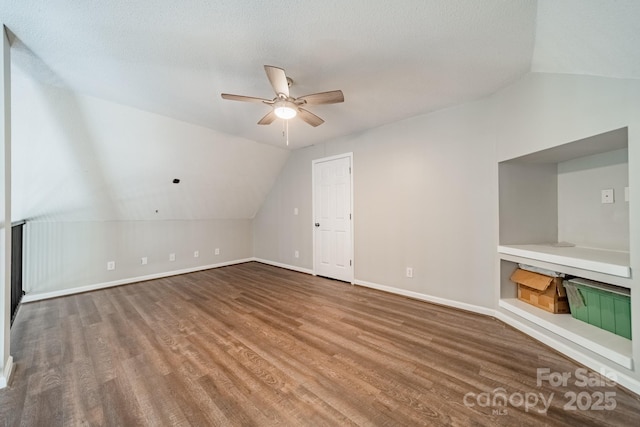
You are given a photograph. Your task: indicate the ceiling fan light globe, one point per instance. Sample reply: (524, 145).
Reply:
(285, 110)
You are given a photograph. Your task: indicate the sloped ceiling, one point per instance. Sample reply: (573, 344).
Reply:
(165, 63)
(391, 59)
(80, 158)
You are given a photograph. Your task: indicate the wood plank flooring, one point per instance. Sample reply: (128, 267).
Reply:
(257, 345)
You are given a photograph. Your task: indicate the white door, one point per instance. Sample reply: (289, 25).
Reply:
(333, 251)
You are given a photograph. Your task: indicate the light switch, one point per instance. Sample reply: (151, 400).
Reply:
(295, 211)
(607, 196)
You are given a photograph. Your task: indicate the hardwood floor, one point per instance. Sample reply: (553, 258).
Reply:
(257, 345)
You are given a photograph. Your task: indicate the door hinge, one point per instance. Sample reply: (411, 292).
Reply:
(349, 216)
(350, 263)
(349, 170)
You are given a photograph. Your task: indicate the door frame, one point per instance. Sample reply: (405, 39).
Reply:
(313, 209)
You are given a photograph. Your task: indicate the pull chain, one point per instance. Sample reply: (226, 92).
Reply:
(285, 130)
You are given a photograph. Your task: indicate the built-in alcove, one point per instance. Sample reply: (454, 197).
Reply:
(555, 195)
(552, 216)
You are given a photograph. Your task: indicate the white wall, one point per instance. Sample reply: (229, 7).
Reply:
(582, 218)
(425, 196)
(5, 207)
(545, 110)
(63, 256)
(277, 232)
(528, 195)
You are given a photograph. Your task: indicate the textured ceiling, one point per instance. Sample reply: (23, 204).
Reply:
(596, 37)
(391, 59)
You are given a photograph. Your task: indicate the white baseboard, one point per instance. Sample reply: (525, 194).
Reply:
(64, 292)
(429, 298)
(6, 374)
(287, 266)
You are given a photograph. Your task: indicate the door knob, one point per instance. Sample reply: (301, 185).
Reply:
(317, 224)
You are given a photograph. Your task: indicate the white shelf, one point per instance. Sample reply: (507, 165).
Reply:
(611, 346)
(614, 263)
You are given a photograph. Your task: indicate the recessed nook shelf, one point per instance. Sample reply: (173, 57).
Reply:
(615, 263)
(599, 341)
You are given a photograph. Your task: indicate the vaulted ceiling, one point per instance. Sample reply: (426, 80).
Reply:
(392, 60)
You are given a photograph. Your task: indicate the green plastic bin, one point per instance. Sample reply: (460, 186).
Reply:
(605, 306)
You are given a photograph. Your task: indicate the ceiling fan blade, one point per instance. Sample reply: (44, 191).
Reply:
(331, 97)
(244, 98)
(268, 118)
(278, 80)
(309, 117)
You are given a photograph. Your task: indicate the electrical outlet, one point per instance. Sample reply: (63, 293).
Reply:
(172, 257)
(111, 265)
(607, 195)
(217, 251)
(143, 260)
(296, 254)
(409, 272)
(196, 254)
(295, 211)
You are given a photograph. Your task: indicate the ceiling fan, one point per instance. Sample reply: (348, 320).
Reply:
(283, 105)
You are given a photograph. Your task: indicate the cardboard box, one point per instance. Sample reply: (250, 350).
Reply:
(544, 292)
